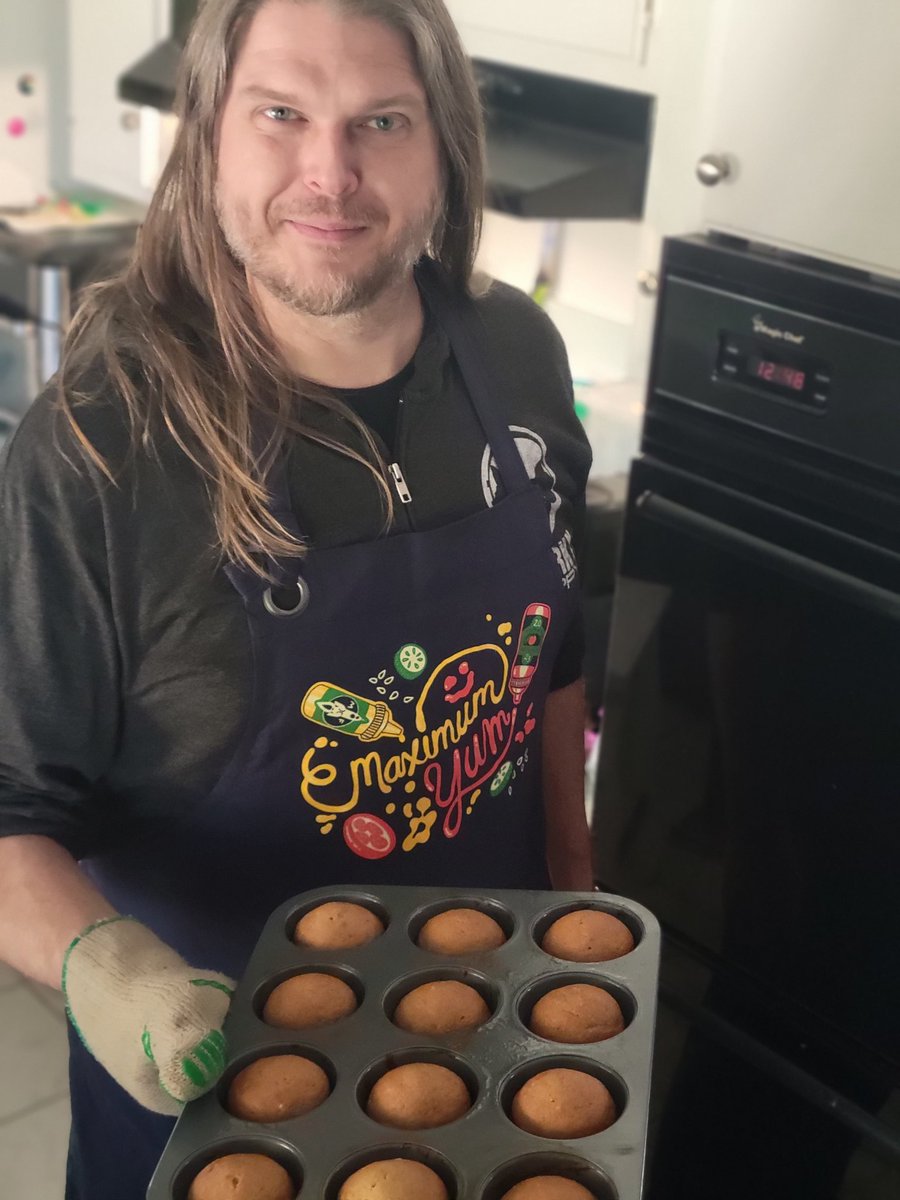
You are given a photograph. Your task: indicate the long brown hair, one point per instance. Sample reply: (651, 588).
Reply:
(177, 332)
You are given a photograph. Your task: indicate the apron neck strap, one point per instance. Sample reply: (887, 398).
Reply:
(457, 314)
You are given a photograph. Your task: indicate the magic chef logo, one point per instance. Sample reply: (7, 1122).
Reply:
(781, 335)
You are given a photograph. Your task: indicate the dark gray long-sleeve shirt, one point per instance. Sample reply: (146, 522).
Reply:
(124, 652)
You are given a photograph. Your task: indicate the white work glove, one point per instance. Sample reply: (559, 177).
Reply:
(154, 1022)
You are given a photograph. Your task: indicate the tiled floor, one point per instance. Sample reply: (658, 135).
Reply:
(34, 1099)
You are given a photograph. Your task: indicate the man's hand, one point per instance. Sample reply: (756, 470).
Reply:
(154, 1022)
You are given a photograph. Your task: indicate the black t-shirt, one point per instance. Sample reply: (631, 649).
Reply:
(377, 405)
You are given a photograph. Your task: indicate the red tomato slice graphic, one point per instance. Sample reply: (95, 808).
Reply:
(369, 836)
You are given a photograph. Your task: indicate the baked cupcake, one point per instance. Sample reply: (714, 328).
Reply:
(242, 1177)
(442, 1007)
(418, 1096)
(461, 931)
(588, 935)
(577, 1013)
(276, 1088)
(562, 1103)
(308, 1001)
(394, 1179)
(337, 925)
(548, 1187)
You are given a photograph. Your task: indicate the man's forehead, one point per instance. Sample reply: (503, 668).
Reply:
(306, 43)
(298, 74)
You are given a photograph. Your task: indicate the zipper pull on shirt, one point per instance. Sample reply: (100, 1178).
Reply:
(400, 484)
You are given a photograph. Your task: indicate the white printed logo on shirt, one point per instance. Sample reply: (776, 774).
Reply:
(533, 451)
(565, 557)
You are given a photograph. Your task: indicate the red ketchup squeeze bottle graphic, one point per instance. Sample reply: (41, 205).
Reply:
(533, 630)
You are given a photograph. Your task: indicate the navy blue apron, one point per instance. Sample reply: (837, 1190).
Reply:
(392, 738)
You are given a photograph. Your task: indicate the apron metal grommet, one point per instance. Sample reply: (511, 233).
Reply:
(296, 609)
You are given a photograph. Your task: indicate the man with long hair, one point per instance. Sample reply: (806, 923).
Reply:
(286, 558)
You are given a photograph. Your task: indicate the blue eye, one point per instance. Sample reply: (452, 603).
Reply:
(280, 113)
(384, 123)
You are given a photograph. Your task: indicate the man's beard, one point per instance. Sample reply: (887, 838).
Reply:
(337, 291)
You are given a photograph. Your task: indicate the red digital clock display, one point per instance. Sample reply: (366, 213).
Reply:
(779, 374)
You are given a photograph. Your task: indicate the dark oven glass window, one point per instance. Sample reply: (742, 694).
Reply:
(749, 785)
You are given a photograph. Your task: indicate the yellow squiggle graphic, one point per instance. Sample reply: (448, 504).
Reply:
(321, 775)
(445, 665)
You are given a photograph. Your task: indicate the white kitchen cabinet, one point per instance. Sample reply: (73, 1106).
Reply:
(606, 26)
(804, 114)
(108, 147)
(599, 40)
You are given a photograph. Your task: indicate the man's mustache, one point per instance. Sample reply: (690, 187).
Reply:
(349, 214)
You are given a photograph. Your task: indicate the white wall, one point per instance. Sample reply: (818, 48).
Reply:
(33, 35)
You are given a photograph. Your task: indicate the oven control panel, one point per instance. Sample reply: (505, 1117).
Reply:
(770, 364)
(785, 374)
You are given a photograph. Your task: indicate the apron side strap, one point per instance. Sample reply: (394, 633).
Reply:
(248, 586)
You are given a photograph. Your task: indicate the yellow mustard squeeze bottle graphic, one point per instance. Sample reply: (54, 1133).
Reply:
(345, 712)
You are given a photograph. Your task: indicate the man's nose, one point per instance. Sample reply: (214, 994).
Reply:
(328, 162)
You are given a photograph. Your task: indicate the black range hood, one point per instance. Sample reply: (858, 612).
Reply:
(557, 148)
(562, 148)
(151, 81)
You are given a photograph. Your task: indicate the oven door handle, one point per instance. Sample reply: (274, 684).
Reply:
(789, 562)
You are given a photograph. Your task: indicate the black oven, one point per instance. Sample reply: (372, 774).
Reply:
(748, 789)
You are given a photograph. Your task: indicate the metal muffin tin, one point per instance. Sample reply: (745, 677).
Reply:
(483, 1154)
